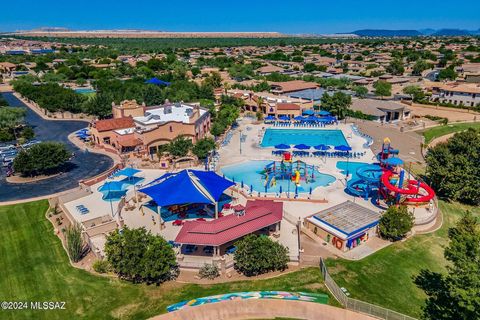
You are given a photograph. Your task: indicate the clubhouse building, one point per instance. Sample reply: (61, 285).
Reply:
(140, 128)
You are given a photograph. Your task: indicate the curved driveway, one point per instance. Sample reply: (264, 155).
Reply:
(85, 164)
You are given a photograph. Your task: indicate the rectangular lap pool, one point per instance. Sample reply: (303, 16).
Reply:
(310, 137)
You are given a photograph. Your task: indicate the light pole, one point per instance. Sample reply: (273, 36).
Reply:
(240, 141)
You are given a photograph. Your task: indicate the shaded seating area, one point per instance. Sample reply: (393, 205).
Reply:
(187, 194)
(216, 237)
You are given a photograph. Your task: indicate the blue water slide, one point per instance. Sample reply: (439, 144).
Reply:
(367, 183)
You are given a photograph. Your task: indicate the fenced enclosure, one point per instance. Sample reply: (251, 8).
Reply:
(358, 305)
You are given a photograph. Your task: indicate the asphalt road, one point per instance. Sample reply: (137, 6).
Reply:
(84, 164)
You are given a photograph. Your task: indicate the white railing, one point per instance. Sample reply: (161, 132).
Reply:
(369, 139)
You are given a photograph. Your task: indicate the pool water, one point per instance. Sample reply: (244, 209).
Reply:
(310, 137)
(351, 167)
(84, 90)
(251, 174)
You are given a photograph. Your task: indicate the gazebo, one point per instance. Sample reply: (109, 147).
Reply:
(188, 186)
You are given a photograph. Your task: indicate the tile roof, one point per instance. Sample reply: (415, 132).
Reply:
(295, 85)
(113, 124)
(288, 106)
(258, 214)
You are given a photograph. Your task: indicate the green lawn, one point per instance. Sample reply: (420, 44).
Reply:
(439, 131)
(385, 278)
(35, 267)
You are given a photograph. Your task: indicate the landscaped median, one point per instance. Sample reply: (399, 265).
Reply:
(35, 267)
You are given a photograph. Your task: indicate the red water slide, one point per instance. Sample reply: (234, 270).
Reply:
(412, 191)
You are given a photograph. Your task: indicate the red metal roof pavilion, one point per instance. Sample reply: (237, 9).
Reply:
(258, 215)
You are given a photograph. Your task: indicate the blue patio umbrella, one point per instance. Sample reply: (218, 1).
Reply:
(323, 113)
(127, 172)
(280, 191)
(311, 118)
(394, 161)
(308, 112)
(266, 187)
(114, 195)
(310, 190)
(299, 118)
(343, 148)
(301, 146)
(296, 190)
(242, 184)
(251, 188)
(270, 118)
(111, 186)
(322, 147)
(282, 146)
(284, 118)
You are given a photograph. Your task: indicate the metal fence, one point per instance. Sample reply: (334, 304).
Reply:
(357, 305)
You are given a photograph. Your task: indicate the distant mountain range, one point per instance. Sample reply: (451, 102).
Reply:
(414, 33)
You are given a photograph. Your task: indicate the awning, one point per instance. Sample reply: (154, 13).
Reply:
(188, 186)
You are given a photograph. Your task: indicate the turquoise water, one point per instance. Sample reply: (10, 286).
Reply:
(310, 137)
(250, 173)
(352, 168)
(84, 90)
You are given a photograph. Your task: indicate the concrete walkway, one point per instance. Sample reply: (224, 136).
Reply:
(263, 309)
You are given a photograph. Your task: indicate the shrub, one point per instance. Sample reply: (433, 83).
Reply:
(396, 222)
(74, 241)
(209, 271)
(101, 266)
(139, 256)
(259, 254)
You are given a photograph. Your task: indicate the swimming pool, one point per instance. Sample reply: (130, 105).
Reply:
(251, 174)
(84, 90)
(310, 137)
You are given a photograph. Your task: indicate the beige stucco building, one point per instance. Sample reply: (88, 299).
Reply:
(136, 127)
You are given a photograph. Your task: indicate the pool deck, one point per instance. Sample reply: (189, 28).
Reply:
(295, 210)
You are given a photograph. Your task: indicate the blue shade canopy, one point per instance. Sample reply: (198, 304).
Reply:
(308, 112)
(302, 146)
(323, 113)
(127, 172)
(270, 118)
(188, 186)
(394, 161)
(343, 148)
(111, 186)
(299, 118)
(283, 118)
(114, 195)
(282, 146)
(322, 147)
(158, 82)
(311, 118)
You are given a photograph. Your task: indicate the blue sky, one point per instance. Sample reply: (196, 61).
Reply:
(298, 16)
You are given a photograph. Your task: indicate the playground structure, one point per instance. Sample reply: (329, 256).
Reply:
(287, 169)
(388, 180)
